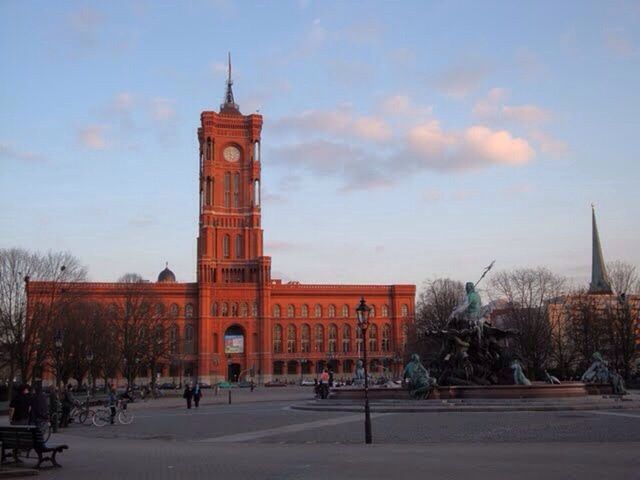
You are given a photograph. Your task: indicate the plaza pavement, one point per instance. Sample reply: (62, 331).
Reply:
(259, 436)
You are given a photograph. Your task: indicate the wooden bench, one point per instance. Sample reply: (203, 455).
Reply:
(16, 439)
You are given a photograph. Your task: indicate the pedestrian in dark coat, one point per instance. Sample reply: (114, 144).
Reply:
(197, 394)
(188, 395)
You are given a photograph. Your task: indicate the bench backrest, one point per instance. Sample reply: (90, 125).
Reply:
(19, 437)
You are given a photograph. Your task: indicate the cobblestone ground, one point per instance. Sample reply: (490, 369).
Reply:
(259, 437)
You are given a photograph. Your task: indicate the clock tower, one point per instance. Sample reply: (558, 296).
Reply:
(231, 265)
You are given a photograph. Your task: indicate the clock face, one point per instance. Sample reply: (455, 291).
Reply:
(231, 154)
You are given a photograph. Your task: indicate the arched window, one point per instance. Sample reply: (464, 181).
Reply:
(318, 311)
(346, 338)
(319, 338)
(291, 311)
(159, 309)
(386, 338)
(332, 311)
(404, 310)
(188, 310)
(236, 190)
(209, 149)
(359, 340)
(254, 309)
(345, 311)
(372, 313)
(385, 311)
(333, 338)
(373, 338)
(224, 309)
(226, 246)
(173, 339)
(304, 311)
(291, 339)
(214, 309)
(244, 309)
(188, 333)
(227, 189)
(276, 311)
(239, 247)
(174, 310)
(234, 309)
(306, 338)
(277, 339)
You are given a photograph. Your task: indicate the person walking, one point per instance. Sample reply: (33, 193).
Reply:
(197, 394)
(20, 407)
(113, 402)
(324, 384)
(188, 395)
(67, 404)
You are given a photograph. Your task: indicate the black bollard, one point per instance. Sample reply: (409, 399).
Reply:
(229, 396)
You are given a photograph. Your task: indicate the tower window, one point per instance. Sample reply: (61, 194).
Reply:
(226, 246)
(236, 190)
(227, 189)
(239, 247)
(209, 149)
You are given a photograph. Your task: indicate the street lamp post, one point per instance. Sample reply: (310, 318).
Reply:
(90, 360)
(57, 341)
(363, 311)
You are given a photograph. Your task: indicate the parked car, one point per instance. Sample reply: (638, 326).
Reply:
(167, 386)
(205, 385)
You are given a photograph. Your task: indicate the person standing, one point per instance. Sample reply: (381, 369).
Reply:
(188, 395)
(39, 408)
(197, 393)
(20, 406)
(67, 404)
(113, 402)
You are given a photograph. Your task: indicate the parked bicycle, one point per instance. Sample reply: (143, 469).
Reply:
(102, 415)
(81, 411)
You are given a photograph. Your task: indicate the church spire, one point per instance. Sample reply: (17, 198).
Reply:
(229, 105)
(599, 279)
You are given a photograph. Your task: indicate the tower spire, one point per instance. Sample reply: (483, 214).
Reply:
(599, 279)
(229, 105)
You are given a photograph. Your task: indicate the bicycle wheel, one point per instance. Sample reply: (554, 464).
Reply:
(45, 428)
(125, 417)
(85, 414)
(101, 417)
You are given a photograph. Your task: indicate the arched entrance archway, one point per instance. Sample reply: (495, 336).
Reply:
(234, 345)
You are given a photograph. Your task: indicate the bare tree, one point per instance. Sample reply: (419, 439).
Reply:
(624, 277)
(26, 328)
(138, 327)
(436, 301)
(528, 293)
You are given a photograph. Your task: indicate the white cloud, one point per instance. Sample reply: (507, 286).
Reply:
(341, 121)
(10, 152)
(526, 113)
(162, 110)
(475, 147)
(92, 136)
(548, 144)
(458, 81)
(400, 105)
